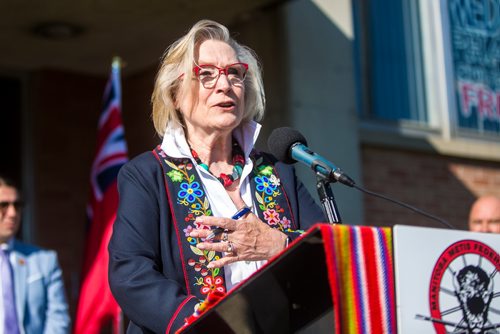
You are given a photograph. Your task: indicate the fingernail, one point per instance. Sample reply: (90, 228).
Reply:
(193, 234)
(210, 265)
(200, 246)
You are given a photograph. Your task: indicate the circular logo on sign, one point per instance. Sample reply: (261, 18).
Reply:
(464, 292)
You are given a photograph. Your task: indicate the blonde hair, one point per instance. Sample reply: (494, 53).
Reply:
(178, 61)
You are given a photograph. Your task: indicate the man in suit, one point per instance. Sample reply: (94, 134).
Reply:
(38, 288)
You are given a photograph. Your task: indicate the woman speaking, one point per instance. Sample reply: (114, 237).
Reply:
(205, 209)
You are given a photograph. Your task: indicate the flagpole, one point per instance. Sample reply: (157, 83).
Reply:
(121, 323)
(116, 65)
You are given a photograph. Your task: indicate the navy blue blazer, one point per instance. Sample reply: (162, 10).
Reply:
(145, 270)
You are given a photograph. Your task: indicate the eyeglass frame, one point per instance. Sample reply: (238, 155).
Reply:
(196, 70)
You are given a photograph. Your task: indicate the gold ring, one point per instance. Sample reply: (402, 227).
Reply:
(224, 235)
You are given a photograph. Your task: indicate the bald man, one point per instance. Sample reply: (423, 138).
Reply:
(484, 215)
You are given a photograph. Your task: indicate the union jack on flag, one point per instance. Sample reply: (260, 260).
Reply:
(96, 306)
(111, 146)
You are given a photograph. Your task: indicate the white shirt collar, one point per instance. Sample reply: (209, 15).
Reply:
(9, 245)
(174, 142)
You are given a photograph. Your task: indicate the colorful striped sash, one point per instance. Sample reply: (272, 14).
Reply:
(360, 269)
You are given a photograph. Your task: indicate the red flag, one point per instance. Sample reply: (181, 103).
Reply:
(96, 305)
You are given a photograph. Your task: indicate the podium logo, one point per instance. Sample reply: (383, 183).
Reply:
(464, 295)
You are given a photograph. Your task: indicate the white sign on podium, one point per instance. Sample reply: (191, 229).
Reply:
(447, 281)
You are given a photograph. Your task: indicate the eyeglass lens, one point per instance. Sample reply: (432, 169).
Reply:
(209, 74)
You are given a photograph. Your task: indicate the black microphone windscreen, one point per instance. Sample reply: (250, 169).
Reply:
(281, 141)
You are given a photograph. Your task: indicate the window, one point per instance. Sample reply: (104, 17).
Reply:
(474, 27)
(433, 63)
(391, 61)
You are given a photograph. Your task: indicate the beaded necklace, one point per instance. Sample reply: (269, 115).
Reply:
(238, 162)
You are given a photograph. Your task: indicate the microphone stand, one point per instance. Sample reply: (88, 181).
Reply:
(327, 200)
(325, 194)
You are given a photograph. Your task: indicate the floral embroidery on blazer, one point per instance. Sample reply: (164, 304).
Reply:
(191, 202)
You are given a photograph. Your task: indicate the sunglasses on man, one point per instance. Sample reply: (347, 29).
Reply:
(4, 205)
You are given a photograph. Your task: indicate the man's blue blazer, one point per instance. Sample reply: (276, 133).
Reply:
(39, 290)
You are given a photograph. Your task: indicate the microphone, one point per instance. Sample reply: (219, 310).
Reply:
(289, 145)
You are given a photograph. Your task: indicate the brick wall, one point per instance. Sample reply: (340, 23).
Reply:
(65, 108)
(440, 185)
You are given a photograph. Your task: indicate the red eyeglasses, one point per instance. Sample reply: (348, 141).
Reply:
(209, 74)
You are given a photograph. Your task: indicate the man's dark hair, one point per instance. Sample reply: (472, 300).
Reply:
(6, 181)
